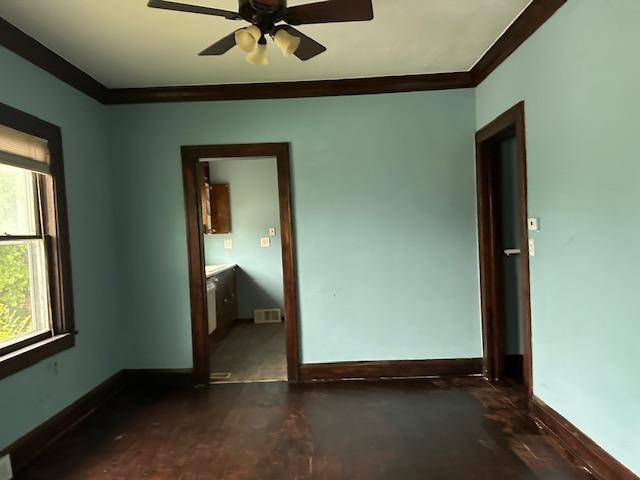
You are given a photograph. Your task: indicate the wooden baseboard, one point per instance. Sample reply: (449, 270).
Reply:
(601, 463)
(161, 376)
(26, 448)
(458, 367)
(252, 320)
(245, 320)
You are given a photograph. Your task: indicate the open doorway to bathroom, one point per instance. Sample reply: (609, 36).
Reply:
(242, 283)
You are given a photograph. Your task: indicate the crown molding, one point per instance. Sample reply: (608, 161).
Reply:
(14, 39)
(316, 88)
(532, 18)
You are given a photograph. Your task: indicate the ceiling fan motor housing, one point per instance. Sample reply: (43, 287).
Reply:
(273, 17)
(263, 13)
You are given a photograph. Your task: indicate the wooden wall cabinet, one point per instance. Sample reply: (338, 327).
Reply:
(220, 208)
(216, 204)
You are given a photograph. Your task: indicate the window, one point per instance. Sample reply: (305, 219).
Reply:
(36, 317)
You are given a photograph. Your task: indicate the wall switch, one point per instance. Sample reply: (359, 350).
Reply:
(534, 224)
(5, 468)
(265, 242)
(532, 247)
(272, 232)
(228, 244)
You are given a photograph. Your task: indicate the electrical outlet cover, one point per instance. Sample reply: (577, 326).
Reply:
(228, 244)
(265, 242)
(272, 232)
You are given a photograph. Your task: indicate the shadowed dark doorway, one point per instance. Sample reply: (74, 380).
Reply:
(504, 248)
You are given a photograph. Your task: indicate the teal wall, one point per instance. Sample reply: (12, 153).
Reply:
(384, 217)
(30, 396)
(253, 185)
(578, 75)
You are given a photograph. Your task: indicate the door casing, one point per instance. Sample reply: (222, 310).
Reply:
(191, 156)
(510, 124)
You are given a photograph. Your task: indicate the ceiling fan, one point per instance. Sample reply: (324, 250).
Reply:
(273, 18)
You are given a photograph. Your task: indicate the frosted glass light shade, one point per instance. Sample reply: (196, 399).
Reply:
(247, 38)
(258, 56)
(286, 42)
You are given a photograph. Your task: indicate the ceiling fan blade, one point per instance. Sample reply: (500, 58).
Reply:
(330, 11)
(308, 48)
(183, 7)
(221, 46)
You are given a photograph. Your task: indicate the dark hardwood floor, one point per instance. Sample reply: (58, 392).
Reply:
(250, 353)
(418, 429)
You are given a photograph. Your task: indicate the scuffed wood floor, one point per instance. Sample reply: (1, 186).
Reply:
(418, 429)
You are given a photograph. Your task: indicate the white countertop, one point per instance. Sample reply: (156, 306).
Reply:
(211, 270)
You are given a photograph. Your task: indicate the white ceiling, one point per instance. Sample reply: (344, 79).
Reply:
(123, 43)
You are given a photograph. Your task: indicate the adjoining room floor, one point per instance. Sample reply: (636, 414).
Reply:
(405, 430)
(251, 353)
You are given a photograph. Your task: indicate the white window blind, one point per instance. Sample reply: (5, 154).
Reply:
(22, 150)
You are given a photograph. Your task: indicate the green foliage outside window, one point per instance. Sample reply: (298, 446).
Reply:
(15, 298)
(15, 306)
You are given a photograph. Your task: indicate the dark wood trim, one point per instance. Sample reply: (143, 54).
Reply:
(302, 89)
(376, 370)
(533, 17)
(29, 446)
(513, 366)
(30, 355)
(510, 123)
(577, 443)
(159, 376)
(195, 246)
(55, 223)
(13, 238)
(26, 448)
(25, 342)
(538, 12)
(14, 39)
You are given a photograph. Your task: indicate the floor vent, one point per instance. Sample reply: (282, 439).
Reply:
(269, 315)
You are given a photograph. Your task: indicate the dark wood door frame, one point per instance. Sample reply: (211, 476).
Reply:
(191, 156)
(509, 124)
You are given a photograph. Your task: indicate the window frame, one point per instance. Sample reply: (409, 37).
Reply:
(55, 231)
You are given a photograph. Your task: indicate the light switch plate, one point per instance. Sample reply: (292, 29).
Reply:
(532, 247)
(5, 468)
(534, 224)
(265, 242)
(228, 244)
(272, 232)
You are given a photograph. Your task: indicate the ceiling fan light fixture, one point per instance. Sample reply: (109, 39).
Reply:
(259, 55)
(265, 17)
(247, 38)
(286, 42)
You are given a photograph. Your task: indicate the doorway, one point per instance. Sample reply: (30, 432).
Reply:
(504, 248)
(221, 290)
